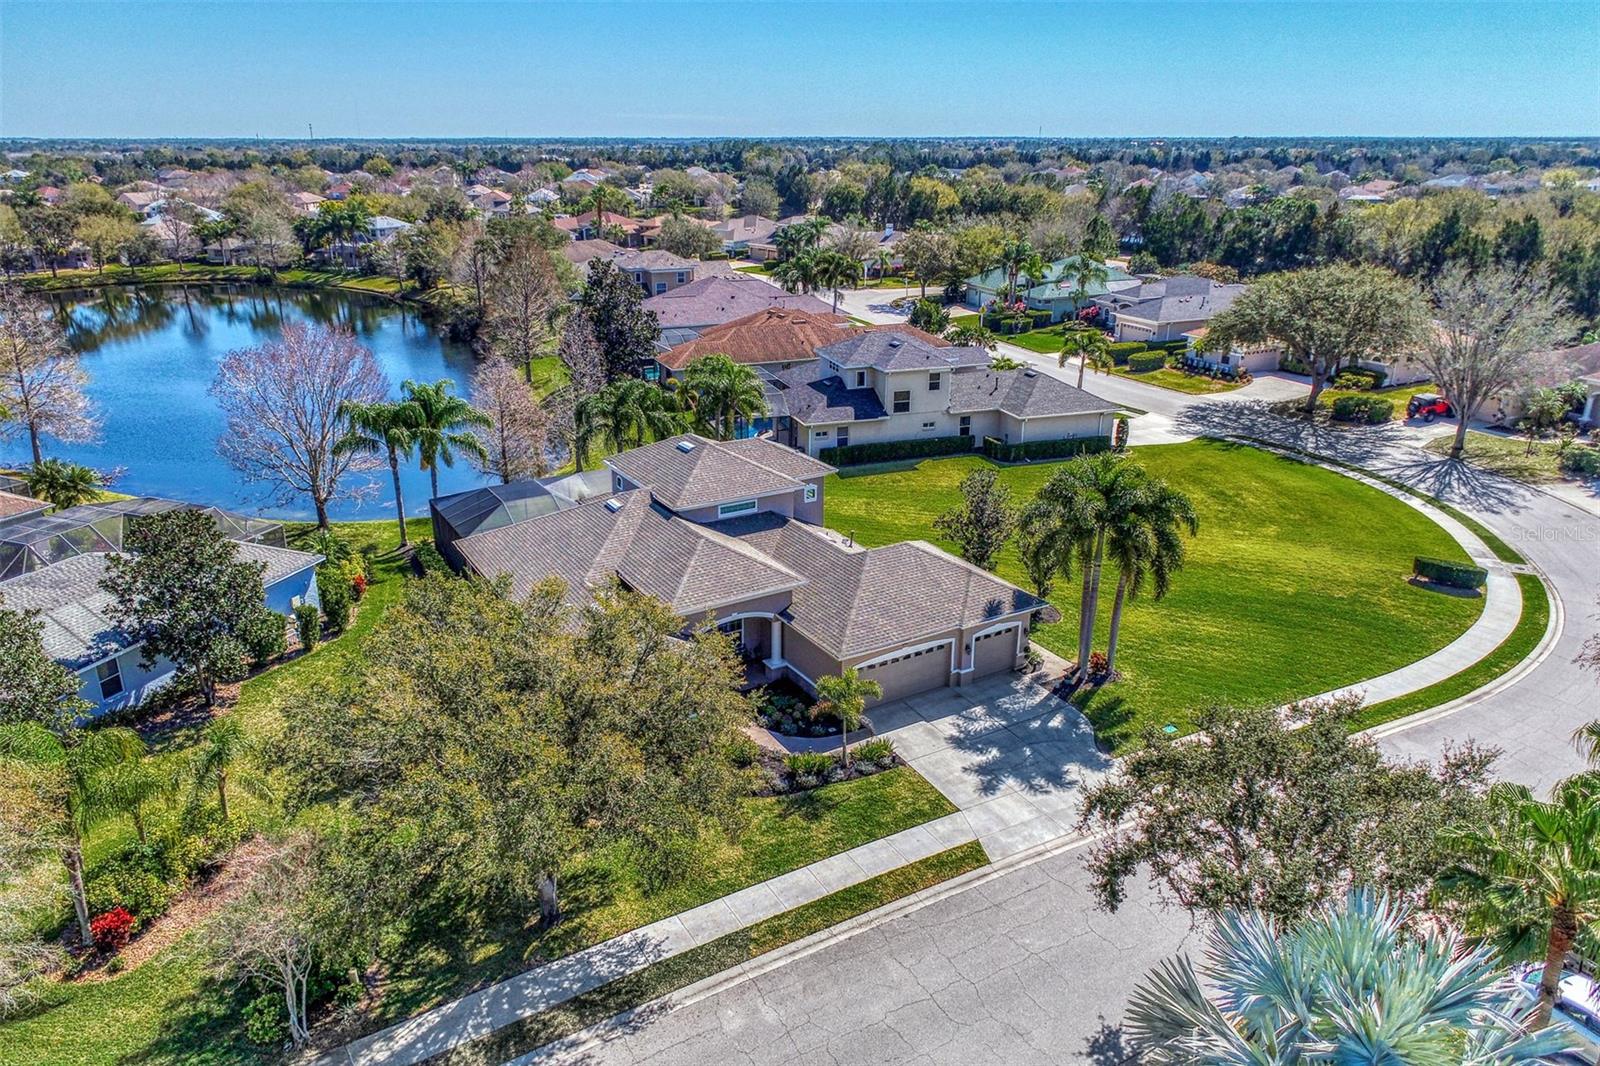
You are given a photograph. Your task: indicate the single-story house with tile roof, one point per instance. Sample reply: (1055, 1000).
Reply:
(878, 387)
(689, 310)
(66, 597)
(1165, 310)
(777, 338)
(1058, 294)
(738, 234)
(731, 530)
(1257, 358)
(635, 231)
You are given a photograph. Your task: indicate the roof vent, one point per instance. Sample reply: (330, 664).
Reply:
(686, 446)
(614, 505)
(1030, 373)
(894, 342)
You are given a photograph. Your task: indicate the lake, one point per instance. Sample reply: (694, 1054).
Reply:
(152, 353)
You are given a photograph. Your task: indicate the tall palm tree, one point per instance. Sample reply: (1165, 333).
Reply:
(845, 697)
(81, 764)
(1085, 344)
(606, 199)
(1529, 879)
(836, 270)
(1146, 542)
(1013, 254)
(627, 413)
(1085, 273)
(223, 756)
(442, 427)
(1351, 984)
(798, 237)
(720, 392)
(62, 483)
(384, 428)
(883, 259)
(801, 272)
(1035, 269)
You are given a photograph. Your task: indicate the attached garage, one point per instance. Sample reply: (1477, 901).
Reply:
(911, 672)
(995, 652)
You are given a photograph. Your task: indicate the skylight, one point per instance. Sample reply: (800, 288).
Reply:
(686, 445)
(613, 505)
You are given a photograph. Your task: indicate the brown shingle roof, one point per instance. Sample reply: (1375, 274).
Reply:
(781, 335)
(690, 471)
(715, 300)
(11, 505)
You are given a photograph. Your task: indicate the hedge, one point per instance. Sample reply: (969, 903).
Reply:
(890, 450)
(1000, 451)
(1121, 350)
(1140, 362)
(1445, 572)
(1371, 410)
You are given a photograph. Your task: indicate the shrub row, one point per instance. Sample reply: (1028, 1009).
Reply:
(1371, 410)
(1581, 461)
(1445, 572)
(1360, 378)
(890, 450)
(1141, 362)
(1000, 451)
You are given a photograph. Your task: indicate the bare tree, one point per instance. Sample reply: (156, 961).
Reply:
(581, 352)
(515, 441)
(1488, 326)
(520, 297)
(282, 401)
(41, 383)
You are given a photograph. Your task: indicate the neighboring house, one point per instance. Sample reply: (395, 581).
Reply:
(52, 564)
(881, 386)
(586, 179)
(1578, 363)
(634, 231)
(49, 194)
(1375, 191)
(340, 191)
(1256, 358)
(492, 202)
(541, 198)
(381, 230)
(738, 235)
(230, 251)
(777, 338)
(15, 505)
(1589, 414)
(655, 271)
(579, 253)
(731, 532)
(14, 175)
(1167, 309)
(689, 310)
(1058, 294)
(140, 200)
(307, 203)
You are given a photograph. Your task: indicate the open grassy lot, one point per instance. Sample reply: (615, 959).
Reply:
(1506, 455)
(167, 1010)
(1297, 583)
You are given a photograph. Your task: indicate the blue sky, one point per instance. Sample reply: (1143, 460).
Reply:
(665, 68)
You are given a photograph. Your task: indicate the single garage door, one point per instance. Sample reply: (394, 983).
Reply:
(994, 652)
(906, 675)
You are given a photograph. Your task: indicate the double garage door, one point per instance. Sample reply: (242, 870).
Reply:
(929, 668)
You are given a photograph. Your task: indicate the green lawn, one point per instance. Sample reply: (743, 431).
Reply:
(1506, 455)
(549, 374)
(1176, 380)
(1297, 583)
(167, 1011)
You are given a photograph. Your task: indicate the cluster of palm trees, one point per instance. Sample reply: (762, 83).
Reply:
(819, 268)
(1098, 509)
(712, 397)
(93, 775)
(428, 420)
(338, 222)
(63, 484)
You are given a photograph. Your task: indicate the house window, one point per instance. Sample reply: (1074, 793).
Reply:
(966, 425)
(728, 510)
(822, 433)
(861, 379)
(902, 401)
(616, 483)
(661, 287)
(935, 383)
(680, 277)
(927, 427)
(844, 436)
(811, 494)
(109, 674)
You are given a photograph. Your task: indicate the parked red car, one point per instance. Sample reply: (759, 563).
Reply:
(1428, 406)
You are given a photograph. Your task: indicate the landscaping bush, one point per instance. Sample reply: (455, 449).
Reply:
(1121, 350)
(112, 930)
(266, 1021)
(1040, 319)
(879, 750)
(308, 625)
(744, 752)
(1445, 572)
(1000, 451)
(1581, 461)
(890, 450)
(1292, 365)
(928, 315)
(337, 590)
(1355, 379)
(426, 558)
(139, 891)
(809, 768)
(1369, 410)
(1142, 362)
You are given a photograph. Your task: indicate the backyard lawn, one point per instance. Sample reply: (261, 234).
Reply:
(1297, 583)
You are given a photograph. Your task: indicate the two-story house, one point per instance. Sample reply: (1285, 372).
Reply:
(885, 386)
(731, 530)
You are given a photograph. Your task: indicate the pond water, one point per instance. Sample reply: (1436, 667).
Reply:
(152, 353)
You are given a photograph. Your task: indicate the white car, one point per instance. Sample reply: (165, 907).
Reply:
(1577, 1007)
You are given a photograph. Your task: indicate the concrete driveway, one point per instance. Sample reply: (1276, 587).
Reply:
(1006, 750)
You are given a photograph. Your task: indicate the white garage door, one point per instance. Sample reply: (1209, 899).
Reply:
(914, 672)
(994, 652)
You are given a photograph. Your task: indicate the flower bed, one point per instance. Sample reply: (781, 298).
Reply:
(784, 774)
(785, 708)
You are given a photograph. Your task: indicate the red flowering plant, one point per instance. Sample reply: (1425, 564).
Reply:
(358, 585)
(112, 930)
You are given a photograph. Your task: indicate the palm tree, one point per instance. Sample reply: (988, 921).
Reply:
(1529, 878)
(221, 758)
(720, 392)
(800, 272)
(1084, 343)
(81, 763)
(62, 483)
(627, 413)
(975, 337)
(1147, 542)
(384, 429)
(442, 426)
(845, 697)
(798, 237)
(1086, 272)
(883, 259)
(128, 786)
(601, 201)
(836, 270)
(1351, 984)
(1012, 257)
(1035, 269)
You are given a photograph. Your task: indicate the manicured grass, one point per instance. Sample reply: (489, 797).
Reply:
(707, 960)
(1176, 380)
(1515, 648)
(1400, 394)
(549, 374)
(1506, 455)
(972, 318)
(1045, 341)
(1297, 583)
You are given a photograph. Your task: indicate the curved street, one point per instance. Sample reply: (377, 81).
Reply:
(1016, 965)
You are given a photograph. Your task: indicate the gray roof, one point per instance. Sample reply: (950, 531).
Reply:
(653, 259)
(889, 351)
(723, 298)
(798, 394)
(78, 630)
(1181, 299)
(689, 471)
(1021, 394)
(857, 601)
(627, 536)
